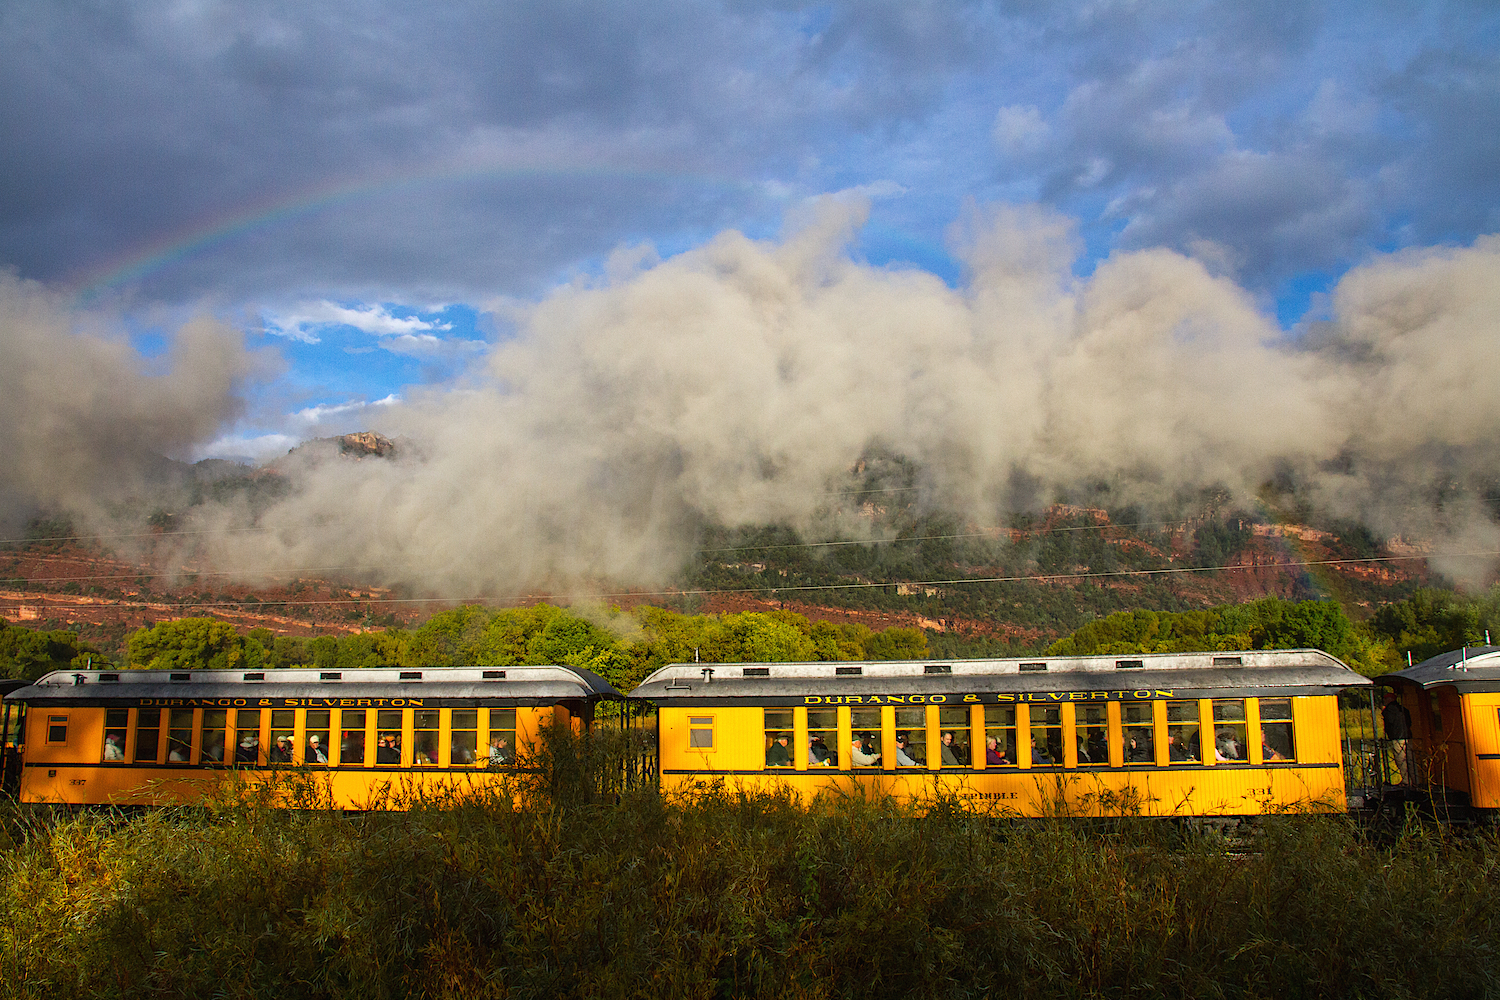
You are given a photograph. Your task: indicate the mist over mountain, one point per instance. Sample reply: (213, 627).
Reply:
(761, 382)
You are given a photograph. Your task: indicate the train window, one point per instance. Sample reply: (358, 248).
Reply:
(147, 735)
(911, 737)
(1000, 727)
(1230, 743)
(352, 736)
(1183, 736)
(424, 737)
(315, 751)
(1139, 733)
(180, 735)
(283, 728)
(953, 732)
(700, 732)
(464, 742)
(1276, 730)
(864, 726)
(502, 737)
(388, 738)
(778, 727)
(212, 743)
(116, 723)
(57, 730)
(247, 736)
(1092, 723)
(1046, 736)
(822, 737)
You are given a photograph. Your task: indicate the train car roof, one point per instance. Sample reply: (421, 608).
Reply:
(1246, 672)
(1473, 668)
(534, 685)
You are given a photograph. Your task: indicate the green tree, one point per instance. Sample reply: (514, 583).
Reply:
(186, 644)
(26, 654)
(897, 644)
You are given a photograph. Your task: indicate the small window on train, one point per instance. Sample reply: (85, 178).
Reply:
(778, 741)
(1138, 730)
(147, 735)
(494, 675)
(937, 668)
(1230, 739)
(283, 730)
(756, 672)
(116, 724)
(424, 737)
(181, 677)
(57, 730)
(701, 732)
(331, 675)
(109, 678)
(1027, 668)
(352, 736)
(388, 736)
(315, 744)
(1092, 724)
(1276, 738)
(848, 671)
(463, 742)
(1227, 661)
(502, 737)
(215, 721)
(911, 737)
(822, 737)
(999, 736)
(953, 737)
(1046, 736)
(411, 675)
(247, 736)
(180, 736)
(255, 675)
(864, 743)
(1183, 733)
(1129, 664)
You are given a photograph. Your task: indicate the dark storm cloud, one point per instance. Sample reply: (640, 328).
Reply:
(490, 147)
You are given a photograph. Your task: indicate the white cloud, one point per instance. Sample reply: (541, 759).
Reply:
(375, 320)
(238, 447)
(317, 414)
(1020, 129)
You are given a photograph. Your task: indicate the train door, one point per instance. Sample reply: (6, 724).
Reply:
(1482, 724)
(12, 728)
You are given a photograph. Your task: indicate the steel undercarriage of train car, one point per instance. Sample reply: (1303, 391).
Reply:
(151, 736)
(1192, 734)
(1451, 760)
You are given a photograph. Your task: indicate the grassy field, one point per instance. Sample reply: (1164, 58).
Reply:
(729, 896)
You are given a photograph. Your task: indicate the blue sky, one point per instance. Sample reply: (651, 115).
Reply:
(367, 192)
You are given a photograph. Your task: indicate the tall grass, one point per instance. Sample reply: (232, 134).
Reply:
(578, 894)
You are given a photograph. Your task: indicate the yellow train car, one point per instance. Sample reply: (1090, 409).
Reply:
(1197, 734)
(154, 736)
(1453, 754)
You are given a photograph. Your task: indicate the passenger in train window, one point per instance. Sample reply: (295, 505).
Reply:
(248, 749)
(180, 751)
(903, 751)
(1041, 755)
(1227, 747)
(315, 751)
(818, 754)
(112, 748)
(387, 750)
(500, 752)
(779, 753)
(950, 759)
(993, 752)
(1177, 748)
(281, 753)
(859, 756)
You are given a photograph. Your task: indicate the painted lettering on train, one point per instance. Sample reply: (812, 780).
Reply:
(280, 702)
(971, 699)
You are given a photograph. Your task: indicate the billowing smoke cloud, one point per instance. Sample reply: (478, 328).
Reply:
(86, 424)
(742, 382)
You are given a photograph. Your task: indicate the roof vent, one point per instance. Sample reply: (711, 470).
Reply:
(1029, 668)
(1227, 661)
(756, 672)
(494, 675)
(411, 675)
(331, 675)
(255, 675)
(1129, 664)
(937, 668)
(181, 677)
(848, 671)
(109, 678)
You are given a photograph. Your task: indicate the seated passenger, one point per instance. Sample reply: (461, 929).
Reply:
(386, 750)
(950, 758)
(180, 752)
(281, 753)
(461, 754)
(860, 757)
(1226, 747)
(315, 752)
(1138, 751)
(1040, 757)
(112, 748)
(903, 752)
(992, 753)
(248, 749)
(1177, 750)
(500, 752)
(779, 754)
(818, 754)
(1268, 752)
(1098, 747)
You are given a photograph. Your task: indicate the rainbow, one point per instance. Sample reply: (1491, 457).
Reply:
(203, 235)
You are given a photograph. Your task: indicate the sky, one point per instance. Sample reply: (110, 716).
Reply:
(288, 220)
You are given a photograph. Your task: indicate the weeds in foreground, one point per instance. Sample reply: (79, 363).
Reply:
(728, 894)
